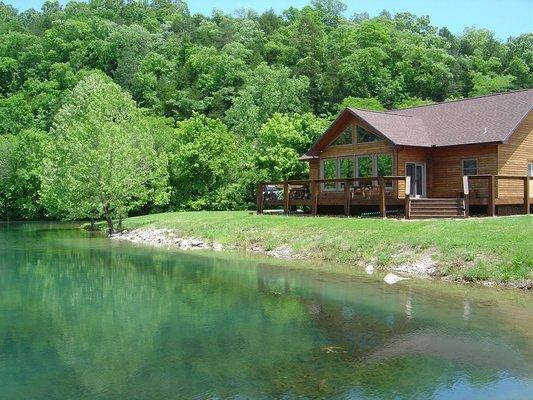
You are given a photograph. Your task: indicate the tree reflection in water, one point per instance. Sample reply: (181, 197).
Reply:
(86, 318)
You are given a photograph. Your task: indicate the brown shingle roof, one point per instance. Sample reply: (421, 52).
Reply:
(484, 119)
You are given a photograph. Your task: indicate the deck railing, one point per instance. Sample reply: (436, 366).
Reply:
(492, 185)
(372, 189)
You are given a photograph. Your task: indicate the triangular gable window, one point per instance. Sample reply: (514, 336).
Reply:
(344, 138)
(363, 136)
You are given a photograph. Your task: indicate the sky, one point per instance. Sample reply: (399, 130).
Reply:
(504, 17)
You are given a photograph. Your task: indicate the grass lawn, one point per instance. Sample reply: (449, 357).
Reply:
(497, 249)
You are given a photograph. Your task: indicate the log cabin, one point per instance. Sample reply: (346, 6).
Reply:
(446, 159)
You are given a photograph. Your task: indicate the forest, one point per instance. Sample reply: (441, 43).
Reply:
(111, 108)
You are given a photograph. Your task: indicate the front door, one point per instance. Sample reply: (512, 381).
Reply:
(417, 173)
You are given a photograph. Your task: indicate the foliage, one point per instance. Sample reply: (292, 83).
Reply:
(205, 159)
(251, 71)
(20, 174)
(369, 103)
(101, 159)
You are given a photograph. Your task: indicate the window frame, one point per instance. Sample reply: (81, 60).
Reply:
(323, 170)
(463, 166)
(351, 128)
(339, 186)
(356, 141)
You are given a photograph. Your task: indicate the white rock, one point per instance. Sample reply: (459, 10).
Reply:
(391, 279)
(369, 269)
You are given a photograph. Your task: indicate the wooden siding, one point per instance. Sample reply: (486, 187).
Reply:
(447, 173)
(513, 158)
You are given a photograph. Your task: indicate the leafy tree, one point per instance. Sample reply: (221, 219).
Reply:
(266, 91)
(369, 103)
(483, 84)
(282, 140)
(204, 160)
(20, 174)
(412, 102)
(101, 161)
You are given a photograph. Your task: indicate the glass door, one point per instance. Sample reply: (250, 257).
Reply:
(417, 173)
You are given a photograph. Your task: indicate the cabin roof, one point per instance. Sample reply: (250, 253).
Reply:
(484, 119)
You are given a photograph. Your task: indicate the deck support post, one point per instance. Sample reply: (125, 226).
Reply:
(466, 193)
(382, 206)
(526, 195)
(347, 198)
(285, 198)
(492, 197)
(314, 197)
(260, 198)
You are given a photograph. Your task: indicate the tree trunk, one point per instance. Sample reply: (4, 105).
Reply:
(92, 225)
(109, 220)
(119, 224)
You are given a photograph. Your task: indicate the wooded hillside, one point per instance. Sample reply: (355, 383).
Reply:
(228, 99)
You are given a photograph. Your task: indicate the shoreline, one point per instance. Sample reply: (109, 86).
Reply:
(423, 267)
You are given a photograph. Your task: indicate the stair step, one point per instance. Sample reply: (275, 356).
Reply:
(436, 213)
(437, 208)
(435, 216)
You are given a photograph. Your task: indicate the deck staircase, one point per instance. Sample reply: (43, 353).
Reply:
(437, 208)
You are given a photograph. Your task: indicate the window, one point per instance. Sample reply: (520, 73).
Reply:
(329, 171)
(384, 167)
(530, 169)
(363, 136)
(344, 138)
(470, 167)
(364, 166)
(346, 169)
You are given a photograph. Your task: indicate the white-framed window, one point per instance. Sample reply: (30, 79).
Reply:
(530, 168)
(469, 166)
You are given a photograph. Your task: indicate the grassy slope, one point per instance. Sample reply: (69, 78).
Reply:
(499, 249)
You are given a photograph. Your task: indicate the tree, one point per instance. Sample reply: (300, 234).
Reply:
(101, 160)
(484, 84)
(20, 174)
(267, 90)
(204, 160)
(282, 140)
(369, 103)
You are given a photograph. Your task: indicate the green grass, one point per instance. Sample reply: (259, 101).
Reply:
(498, 249)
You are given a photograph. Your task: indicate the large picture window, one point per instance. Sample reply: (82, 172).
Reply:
(346, 169)
(329, 171)
(356, 166)
(384, 167)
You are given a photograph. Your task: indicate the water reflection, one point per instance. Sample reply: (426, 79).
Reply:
(87, 318)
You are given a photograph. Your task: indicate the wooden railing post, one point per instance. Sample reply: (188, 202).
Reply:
(407, 197)
(466, 193)
(285, 198)
(382, 207)
(260, 198)
(314, 197)
(347, 198)
(492, 197)
(526, 195)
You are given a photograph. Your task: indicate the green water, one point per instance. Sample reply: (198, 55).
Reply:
(83, 317)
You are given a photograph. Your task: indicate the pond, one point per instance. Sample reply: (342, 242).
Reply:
(83, 317)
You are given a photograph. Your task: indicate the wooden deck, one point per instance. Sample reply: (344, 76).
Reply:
(385, 193)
